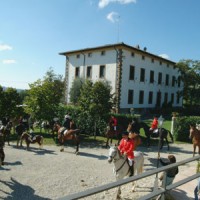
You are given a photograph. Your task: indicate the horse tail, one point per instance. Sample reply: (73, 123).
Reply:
(171, 136)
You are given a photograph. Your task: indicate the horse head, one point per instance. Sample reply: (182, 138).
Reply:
(113, 154)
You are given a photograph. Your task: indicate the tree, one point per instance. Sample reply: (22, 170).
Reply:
(190, 71)
(9, 99)
(95, 103)
(44, 96)
(75, 90)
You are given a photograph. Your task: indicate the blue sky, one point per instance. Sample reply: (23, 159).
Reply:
(34, 32)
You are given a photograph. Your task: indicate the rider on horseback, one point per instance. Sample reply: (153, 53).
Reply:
(126, 147)
(154, 125)
(66, 124)
(113, 123)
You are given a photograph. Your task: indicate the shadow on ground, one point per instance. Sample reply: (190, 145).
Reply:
(19, 191)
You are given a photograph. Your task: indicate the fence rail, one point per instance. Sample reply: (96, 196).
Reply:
(155, 193)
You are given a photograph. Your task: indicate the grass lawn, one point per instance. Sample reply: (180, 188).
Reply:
(98, 140)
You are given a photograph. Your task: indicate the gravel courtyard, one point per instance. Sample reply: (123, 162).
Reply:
(50, 174)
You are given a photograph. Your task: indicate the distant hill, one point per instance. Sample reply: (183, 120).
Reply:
(18, 90)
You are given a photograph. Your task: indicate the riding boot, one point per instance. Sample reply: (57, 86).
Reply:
(131, 171)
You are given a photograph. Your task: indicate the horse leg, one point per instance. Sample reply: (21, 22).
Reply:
(118, 193)
(77, 146)
(167, 143)
(27, 145)
(199, 149)
(194, 150)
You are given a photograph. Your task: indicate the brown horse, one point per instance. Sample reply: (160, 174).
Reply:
(135, 136)
(29, 140)
(64, 134)
(111, 134)
(195, 136)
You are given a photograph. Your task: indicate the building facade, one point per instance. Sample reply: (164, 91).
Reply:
(139, 79)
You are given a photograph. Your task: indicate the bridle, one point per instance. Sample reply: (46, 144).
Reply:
(115, 160)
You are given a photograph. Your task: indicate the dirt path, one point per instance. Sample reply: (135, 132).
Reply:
(50, 174)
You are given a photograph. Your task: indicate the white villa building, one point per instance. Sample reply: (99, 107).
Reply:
(139, 79)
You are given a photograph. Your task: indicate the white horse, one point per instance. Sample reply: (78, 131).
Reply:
(121, 166)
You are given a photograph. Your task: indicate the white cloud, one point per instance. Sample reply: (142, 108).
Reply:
(9, 61)
(104, 3)
(113, 17)
(4, 47)
(164, 56)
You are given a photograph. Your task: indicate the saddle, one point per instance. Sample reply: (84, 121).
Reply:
(62, 131)
(155, 130)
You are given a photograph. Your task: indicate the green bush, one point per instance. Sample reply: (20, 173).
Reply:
(183, 127)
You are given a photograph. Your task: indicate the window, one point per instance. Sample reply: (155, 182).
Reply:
(77, 72)
(141, 97)
(143, 57)
(132, 54)
(173, 81)
(177, 97)
(89, 54)
(159, 78)
(166, 98)
(160, 62)
(142, 75)
(151, 76)
(130, 96)
(132, 73)
(172, 98)
(167, 79)
(102, 71)
(103, 53)
(150, 100)
(89, 72)
(152, 60)
(179, 81)
(78, 56)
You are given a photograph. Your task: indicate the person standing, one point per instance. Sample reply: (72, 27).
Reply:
(126, 147)
(2, 154)
(170, 173)
(197, 188)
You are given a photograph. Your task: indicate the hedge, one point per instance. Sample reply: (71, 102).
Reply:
(183, 126)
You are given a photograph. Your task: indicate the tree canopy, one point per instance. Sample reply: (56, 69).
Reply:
(190, 71)
(44, 96)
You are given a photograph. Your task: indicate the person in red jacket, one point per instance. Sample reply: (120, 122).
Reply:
(154, 124)
(113, 123)
(126, 147)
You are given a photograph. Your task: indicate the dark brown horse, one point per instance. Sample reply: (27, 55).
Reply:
(135, 136)
(195, 136)
(162, 135)
(32, 140)
(64, 134)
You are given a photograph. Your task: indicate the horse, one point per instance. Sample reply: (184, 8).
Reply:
(64, 134)
(31, 140)
(111, 133)
(195, 136)
(6, 130)
(162, 134)
(121, 166)
(136, 137)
